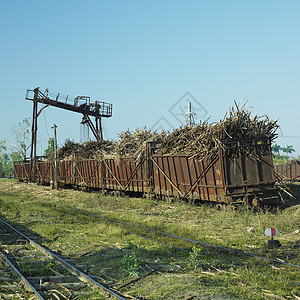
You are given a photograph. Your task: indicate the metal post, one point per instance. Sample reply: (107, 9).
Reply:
(55, 156)
(190, 115)
(100, 129)
(33, 159)
(98, 122)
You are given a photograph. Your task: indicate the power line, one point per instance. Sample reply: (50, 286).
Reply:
(289, 136)
(46, 124)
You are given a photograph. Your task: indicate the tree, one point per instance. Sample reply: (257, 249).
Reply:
(276, 148)
(277, 157)
(21, 137)
(2, 145)
(288, 150)
(15, 156)
(275, 152)
(6, 166)
(50, 147)
(3, 159)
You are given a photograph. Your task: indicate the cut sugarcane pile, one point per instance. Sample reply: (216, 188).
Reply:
(238, 133)
(88, 150)
(134, 143)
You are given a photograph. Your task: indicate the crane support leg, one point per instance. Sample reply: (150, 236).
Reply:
(95, 131)
(33, 141)
(99, 127)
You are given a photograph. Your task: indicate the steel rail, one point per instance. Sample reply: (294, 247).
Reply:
(23, 278)
(80, 275)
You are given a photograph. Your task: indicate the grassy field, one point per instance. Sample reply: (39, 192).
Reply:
(143, 263)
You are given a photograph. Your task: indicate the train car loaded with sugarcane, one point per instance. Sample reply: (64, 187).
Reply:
(225, 162)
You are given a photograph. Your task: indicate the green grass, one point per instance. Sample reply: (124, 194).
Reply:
(118, 254)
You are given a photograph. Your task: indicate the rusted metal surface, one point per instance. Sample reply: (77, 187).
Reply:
(290, 171)
(127, 174)
(251, 180)
(80, 104)
(219, 179)
(45, 172)
(22, 171)
(185, 177)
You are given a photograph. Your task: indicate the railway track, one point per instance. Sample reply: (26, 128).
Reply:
(31, 271)
(74, 288)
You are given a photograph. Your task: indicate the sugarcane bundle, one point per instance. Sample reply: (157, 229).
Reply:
(69, 149)
(88, 150)
(95, 150)
(190, 140)
(129, 144)
(237, 134)
(133, 143)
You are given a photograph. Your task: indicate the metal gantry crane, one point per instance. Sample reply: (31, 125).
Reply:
(80, 104)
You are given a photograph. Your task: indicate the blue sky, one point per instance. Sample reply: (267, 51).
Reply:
(143, 56)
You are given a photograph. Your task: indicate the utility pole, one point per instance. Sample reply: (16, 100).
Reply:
(55, 156)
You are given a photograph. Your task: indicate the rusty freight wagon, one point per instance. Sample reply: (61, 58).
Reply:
(219, 178)
(289, 171)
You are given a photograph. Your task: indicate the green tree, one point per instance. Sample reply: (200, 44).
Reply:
(276, 148)
(15, 156)
(50, 147)
(5, 163)
(4, 159)
(2, 164)
(288, 150)
(2, 146)
(277, 157)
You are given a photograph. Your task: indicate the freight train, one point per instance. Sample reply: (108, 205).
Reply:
(221, 178)
(289, 171)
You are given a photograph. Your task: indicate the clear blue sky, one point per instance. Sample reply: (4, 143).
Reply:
(142, 56)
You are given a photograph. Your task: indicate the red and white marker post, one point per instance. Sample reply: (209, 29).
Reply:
(272, 232)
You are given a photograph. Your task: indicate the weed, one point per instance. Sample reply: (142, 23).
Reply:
(130, 264)
(195, 259)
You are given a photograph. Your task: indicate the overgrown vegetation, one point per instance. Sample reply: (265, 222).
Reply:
(80, 226)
